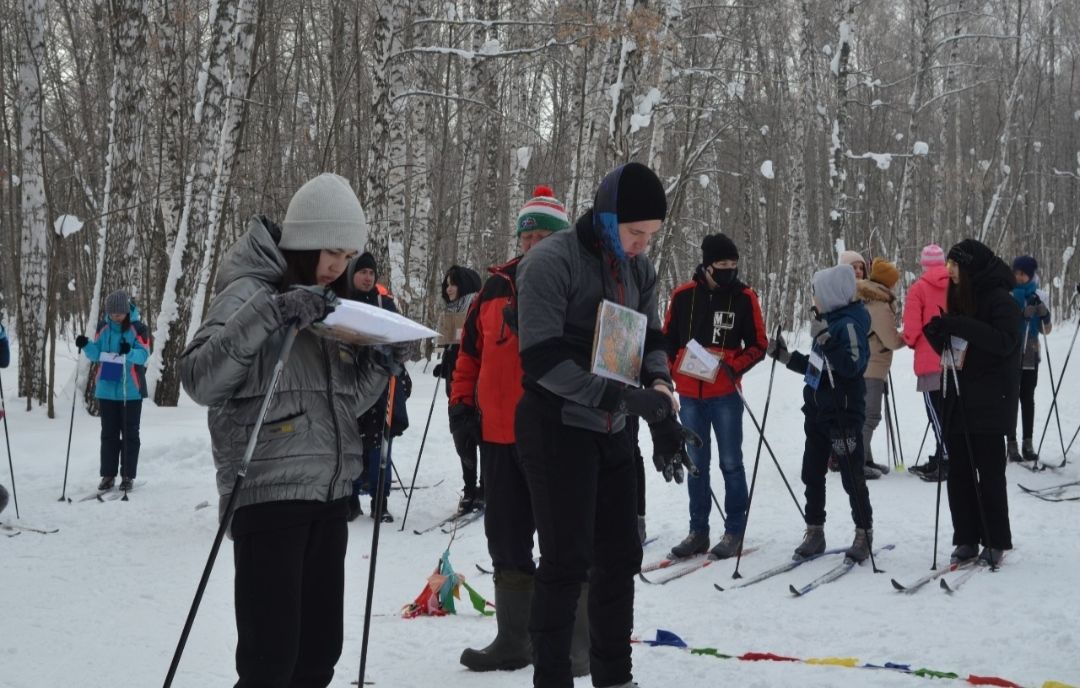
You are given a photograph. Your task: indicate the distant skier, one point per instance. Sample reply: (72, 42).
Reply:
(121, 349)
(834, 405)
(1036, 321)
(289, 528)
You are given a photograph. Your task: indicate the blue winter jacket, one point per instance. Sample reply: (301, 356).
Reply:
(1024, 295)
(836, 393)
(115, 381)
(5, 352)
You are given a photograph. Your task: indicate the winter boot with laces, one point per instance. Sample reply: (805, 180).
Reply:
(963, 553)
(106, 483)
(1013, 451)
(1029, 451)
(813, 543)
(579, 641)
(512, 648)
(727, 547)
(697, 542)
(860, 546)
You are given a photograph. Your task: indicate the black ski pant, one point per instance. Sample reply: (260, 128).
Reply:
(583, 486)
(466, 451)
(120, 437)
(508, 516)
(987, 456)
(1029, 380)
(815, 466)
(290, 589)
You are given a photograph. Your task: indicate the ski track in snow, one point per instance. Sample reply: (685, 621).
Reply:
(102, 602)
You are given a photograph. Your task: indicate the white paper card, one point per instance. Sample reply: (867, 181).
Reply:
(361, 323)
(698, 362)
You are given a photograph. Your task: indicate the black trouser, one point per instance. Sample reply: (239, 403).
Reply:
(988, 454)
(290, 589)
(583, 486)
(935, 399)
(508, 516)
(466, 451)
(815, 466)
(633, 426)
(1029, 380)
(120, 437)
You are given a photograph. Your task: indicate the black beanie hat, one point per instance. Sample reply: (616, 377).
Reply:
(716, 247)
(971, 255)
(640, 195)
(365, 260)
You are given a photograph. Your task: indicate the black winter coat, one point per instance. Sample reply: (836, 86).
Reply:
(990, 378)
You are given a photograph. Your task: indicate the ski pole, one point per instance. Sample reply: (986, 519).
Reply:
(772, 454)
(757, 462)
(858, 484)
(71, 429)
(380, 495)
(1061, 377)
(11, 466)
(419, 455)
(936, 421)
(279, 366)
(890, 438)
(124, 468)
(896, 420)
(926, 432)
(1053, 405)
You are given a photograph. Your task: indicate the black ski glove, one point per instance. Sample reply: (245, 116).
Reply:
(81, 341)
(305, 305)
(778, 349)
(819, 328)
(437, 370)
(125, 348)
(650, 404)
(464, 424)
(669, 448)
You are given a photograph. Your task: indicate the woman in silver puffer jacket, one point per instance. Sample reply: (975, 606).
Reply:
(289, 527)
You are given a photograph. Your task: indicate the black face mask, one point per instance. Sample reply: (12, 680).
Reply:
(725, 277)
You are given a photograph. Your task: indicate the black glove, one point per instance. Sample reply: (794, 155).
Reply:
(651, 404)
(437, 370)
(464, 424)
(778, 349)
(669, 449)
(81, 341)
(305, 305)
(936, 328)
(843, 442)
(125, 348)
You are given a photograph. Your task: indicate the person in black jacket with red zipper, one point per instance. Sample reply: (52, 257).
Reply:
(723, 315)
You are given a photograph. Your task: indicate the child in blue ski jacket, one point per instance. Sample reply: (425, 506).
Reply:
(1032, 302)
(120, 348)
(5, 352)
(834, 405)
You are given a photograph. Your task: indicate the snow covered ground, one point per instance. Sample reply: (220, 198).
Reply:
(102, 602)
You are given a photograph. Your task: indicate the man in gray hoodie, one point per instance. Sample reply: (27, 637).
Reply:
(578, 462)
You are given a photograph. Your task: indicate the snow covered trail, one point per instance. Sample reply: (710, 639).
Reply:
(102, 602)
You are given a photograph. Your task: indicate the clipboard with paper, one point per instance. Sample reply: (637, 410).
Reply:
(360, 323)
(698, 362)
(619, 343)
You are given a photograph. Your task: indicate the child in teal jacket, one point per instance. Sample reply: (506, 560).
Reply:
(120, 348)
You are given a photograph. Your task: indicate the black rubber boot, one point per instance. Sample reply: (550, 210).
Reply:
(511, 648)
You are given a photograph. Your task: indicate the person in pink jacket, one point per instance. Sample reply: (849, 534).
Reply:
(925, 300)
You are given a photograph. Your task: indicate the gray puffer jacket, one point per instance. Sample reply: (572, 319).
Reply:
(309, 446)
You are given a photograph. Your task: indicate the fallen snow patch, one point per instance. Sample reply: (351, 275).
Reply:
(767, 169)
(66, 225)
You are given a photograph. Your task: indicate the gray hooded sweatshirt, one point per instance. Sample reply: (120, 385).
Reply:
(309, 446)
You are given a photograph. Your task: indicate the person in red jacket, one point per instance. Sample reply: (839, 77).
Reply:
(484, 393)
(721, 314)
(926, 301)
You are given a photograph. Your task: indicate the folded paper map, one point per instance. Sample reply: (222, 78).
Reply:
(619, 343)
(360, 323)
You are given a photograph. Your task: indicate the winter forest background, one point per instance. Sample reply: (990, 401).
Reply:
(137, 136)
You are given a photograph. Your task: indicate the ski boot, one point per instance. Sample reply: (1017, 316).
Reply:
(860, 546)
(727, 547)
(813, 543)
(963, 553)
(696, 542)
(1029, 451)
(1013, 451)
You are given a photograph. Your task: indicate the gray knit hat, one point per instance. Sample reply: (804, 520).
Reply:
(117, 302)
(324, 214)
(834, 287)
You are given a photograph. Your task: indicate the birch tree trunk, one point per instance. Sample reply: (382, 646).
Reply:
(33, 278)
(174, 317)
